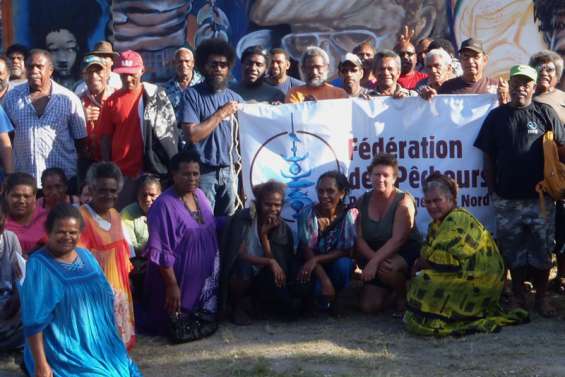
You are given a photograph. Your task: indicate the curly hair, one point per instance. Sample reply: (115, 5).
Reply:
(213, 46)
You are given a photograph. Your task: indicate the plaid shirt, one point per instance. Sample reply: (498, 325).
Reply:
(46, 141)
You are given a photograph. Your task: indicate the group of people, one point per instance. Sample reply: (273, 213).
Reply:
(121, 207)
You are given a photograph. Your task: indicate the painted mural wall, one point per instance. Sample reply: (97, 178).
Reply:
(512, 30)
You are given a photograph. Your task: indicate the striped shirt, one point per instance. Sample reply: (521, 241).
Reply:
(46, 141)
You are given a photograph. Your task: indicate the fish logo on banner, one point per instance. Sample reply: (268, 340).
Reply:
(297, 152)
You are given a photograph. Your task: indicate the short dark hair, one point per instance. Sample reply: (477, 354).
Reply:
(256, 50)
(20, 179)
(63, 211)
(17, 48)
(279, 50)
(261, 190)
(38, 51)
(213, 46)
(443, 44)
(384, 159)
(358, 48)
(184, 157)
(341, 180)
(53, 171)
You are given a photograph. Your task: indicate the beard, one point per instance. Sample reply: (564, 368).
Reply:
(217, 83)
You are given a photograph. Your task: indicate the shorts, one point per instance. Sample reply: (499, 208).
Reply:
(524, 237)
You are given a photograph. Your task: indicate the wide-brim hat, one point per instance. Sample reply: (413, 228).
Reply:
(104, 48)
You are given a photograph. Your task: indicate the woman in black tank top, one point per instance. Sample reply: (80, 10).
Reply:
(388, 242)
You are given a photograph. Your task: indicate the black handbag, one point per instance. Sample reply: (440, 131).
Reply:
(190, 326)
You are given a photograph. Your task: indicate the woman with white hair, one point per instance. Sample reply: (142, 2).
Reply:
(550, 68)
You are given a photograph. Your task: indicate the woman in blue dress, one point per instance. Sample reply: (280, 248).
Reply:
(67, 308)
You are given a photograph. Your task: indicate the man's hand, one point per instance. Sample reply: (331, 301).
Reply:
(92, 113)
(503, 91)
(271, 222)
(427, 93)
(228, 109)
(407, 35)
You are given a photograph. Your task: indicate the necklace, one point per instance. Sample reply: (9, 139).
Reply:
(197, 214)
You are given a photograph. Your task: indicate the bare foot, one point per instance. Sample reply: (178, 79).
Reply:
(544, 308)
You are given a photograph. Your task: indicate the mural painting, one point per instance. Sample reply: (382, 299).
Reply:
(511, 30)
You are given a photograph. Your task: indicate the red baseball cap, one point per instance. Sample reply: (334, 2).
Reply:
(129, 62)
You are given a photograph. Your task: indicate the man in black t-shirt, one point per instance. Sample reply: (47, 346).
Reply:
(511, 140)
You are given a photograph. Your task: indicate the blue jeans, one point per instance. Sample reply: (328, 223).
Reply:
(339, 272)
(220, 187)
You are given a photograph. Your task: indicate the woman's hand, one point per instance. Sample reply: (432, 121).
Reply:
(306, 271)
(172, 299)
(419, 264)
(370, 270)
(278, 272)
(270, 223)
(43, 370)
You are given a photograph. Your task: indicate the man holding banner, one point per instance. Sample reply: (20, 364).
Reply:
(209, 125)
(511, 140)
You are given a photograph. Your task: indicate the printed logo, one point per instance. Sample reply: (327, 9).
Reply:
(532, 128)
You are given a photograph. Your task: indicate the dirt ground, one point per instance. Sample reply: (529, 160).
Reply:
(357, 345)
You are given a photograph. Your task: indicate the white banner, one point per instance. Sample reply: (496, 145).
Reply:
(296, 143)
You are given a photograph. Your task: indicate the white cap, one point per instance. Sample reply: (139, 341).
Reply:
(352, 58)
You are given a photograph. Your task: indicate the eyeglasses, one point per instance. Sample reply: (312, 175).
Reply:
(546, 68)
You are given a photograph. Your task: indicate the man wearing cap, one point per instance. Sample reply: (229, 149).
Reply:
(409, 76)
(138, 126)
(103, 50)
(209, 124)
(387, 71)
(473, 81)
(50, 129)
(95, 72)
(314, 65)
(366, 52)
(184, 77)
(351, 72)
(511, 141)
(252, 86)
(278, 71)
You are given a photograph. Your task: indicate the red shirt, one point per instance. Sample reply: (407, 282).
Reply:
(93, 127)
(120, 121)
(410, 80)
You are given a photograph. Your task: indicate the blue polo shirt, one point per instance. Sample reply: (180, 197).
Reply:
(199, 103)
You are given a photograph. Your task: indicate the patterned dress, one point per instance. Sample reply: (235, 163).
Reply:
(107, 242)
(461, 291)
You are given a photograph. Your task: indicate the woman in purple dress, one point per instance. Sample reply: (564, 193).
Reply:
(182, 250)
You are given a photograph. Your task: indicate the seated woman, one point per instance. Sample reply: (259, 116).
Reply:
(460, 274)
(67, 308)
(182, 250)
(388, 242)
(260, 263)
(135, 214)
(55, 189)
(12, 268)
(104, 235)
(326, 237)
(25, 218)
